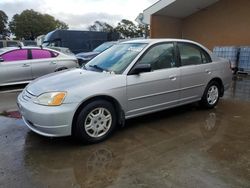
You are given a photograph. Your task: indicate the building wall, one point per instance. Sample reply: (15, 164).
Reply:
(163, 26)
(226, 22)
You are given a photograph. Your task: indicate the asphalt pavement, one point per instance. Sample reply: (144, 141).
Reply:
(8, 96)
(182, 147)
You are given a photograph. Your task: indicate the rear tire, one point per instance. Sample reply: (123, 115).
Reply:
(211, 95)
(95, 122)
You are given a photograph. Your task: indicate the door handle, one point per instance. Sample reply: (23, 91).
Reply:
(208, 71)
(25, 65)
(173, 77)
(52, 62)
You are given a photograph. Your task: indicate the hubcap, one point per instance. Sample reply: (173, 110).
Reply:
(212, 95)
(98, 122)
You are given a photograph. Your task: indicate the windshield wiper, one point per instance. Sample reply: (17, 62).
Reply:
(98, 68)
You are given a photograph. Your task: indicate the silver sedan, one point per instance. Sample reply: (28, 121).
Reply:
(128, 80)
(21, 65)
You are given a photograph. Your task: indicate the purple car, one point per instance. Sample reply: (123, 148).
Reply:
(21, 65)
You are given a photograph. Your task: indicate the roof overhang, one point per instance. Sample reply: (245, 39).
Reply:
(173, 8)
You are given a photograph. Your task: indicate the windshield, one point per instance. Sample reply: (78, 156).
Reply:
(115, 59)
(103, 47)
(45, 44)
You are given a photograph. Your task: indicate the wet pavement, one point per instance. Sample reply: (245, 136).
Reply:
(8, 95)
(183, 147)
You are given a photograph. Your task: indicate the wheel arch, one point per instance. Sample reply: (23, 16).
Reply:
(118, 109)
(61, 68)
(220, 82)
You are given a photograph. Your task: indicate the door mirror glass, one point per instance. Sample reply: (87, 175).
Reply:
(140, 68)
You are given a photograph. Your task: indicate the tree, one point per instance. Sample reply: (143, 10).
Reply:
(3, 24)
(101, 26)
(61, 25)
(30, 24)
(128, 29)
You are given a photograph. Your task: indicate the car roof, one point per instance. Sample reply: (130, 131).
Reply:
(6, 49)
(154, 41)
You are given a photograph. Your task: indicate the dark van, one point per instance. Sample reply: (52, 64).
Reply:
(77, 41)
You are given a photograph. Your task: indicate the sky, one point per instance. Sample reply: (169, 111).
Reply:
(79, 14)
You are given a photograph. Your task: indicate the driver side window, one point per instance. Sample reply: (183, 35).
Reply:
(160, 57)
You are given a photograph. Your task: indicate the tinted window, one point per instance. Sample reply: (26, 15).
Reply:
(40, 54)
(189, 54)
(1, 44)
(66, 51)
(160, 57)
(11, 44)
(205, 57)
(29, 43)
(15, 55)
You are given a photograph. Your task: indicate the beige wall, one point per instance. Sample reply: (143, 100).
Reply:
(162, 26)
(224, 23)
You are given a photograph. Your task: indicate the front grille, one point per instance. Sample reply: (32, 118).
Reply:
(27, 96)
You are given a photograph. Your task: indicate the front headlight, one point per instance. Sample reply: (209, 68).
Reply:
(51, 98)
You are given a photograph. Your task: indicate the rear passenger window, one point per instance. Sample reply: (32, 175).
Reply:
(12, 44)
(40, 54)
(189, 54)
(205, 57)
(16, 55)
(54, 54)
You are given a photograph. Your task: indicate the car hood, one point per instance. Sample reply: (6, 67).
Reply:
(66, 80)
(87, 54)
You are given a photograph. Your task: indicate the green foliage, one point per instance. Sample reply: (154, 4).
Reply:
(101, 26)
(3, 24)
(30, 24)
(126, 28)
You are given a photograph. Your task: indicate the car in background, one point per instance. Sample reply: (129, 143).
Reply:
(21, 65)
(84, 57)
(129, 79)
(29, 43)
(62, 50)
(10, 43)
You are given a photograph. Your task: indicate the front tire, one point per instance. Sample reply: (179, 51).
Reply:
(211, 95)
(95, 122)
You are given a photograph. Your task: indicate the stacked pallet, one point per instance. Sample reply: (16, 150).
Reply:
(228, 52)
(238, 56)
(244, 60)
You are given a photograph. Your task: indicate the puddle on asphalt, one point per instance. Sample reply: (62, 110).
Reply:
(12, 114)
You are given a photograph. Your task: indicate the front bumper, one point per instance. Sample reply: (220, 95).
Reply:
(51, 121)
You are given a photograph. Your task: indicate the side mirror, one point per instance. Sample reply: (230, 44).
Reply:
(1, 59)
(140, 68)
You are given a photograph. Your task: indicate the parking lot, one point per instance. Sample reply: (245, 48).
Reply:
(181, 147)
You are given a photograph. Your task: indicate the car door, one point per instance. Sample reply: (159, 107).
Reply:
(15, 67)
(43, 62)
(158, 89)
(195, 71)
